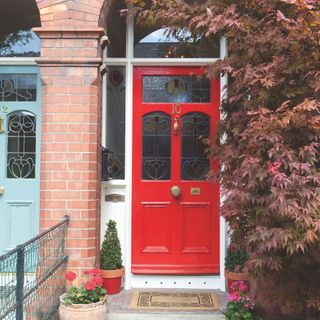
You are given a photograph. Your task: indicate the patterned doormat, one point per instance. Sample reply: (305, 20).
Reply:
(175, 300)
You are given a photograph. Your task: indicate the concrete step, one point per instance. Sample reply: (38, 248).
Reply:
(164, 316)
(119, 308)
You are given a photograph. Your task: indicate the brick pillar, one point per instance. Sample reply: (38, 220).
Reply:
(71, 136)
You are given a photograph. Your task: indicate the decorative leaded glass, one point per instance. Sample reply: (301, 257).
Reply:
(21, 145)
(18, 87)
(156, 146)
(116, 92)
(194, 163)
(175, 89)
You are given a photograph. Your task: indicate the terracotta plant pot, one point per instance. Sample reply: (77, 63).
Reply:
(112, 280)
(91, 311)
(236, 276)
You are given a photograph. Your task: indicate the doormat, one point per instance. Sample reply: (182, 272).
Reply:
(175, 300)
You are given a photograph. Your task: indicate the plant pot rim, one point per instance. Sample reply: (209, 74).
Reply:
(110, 274)
(240, 276)
(92, 305)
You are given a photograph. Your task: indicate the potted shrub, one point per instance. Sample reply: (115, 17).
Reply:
(235, 266)
(111, 259)
(88, 300)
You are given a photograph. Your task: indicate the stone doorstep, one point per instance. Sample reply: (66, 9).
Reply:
(119, 308)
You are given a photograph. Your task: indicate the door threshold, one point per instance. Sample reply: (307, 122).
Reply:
(202, 282)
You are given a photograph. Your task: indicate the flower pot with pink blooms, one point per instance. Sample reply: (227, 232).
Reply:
(85, 301)
(111, 260)
(240, 305)
(235, 266)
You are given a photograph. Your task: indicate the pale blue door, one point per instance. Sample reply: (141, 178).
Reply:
(20, 131)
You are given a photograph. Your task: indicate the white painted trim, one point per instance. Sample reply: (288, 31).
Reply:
(114, 183)
(17, 61)
(173, 62)
(104, 110)
(175, 282)
(223, 225)
(128, 151)
(128, 173)
(160, 61)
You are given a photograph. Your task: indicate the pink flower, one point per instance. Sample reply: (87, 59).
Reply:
(243, 286)
(240, 286)
(70, 275)
(98, 280)
(90, 285)
(93, 272)
(235, 297)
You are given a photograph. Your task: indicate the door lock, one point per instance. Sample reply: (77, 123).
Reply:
(175, 191)
(1, 190)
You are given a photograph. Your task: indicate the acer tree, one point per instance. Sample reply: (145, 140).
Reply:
(271, 129)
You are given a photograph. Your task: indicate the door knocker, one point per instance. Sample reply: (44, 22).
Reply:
(176, 125)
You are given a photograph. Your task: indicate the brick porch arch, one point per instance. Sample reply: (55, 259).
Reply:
(71, 121)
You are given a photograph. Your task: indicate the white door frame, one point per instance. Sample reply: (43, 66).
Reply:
(154, 281)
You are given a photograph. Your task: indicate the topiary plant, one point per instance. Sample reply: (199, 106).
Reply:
(236, 260)
(110, 253)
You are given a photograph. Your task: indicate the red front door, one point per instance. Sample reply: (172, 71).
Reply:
(175, 210)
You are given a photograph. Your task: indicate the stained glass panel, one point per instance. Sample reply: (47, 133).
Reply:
(116, 92)
(21, 145)
(194, 163)
(18, 87)
(175, 89)
(156, 141)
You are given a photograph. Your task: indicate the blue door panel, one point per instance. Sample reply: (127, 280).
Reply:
(20, 109)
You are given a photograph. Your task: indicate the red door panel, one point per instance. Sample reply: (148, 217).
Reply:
(174, 234)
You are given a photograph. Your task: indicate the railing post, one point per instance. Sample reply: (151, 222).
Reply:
(20, 283)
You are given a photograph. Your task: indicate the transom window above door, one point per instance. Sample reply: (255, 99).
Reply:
(129, 38)
(159, 43)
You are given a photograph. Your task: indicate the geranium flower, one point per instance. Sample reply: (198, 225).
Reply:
(93, 272)
(90, 285)
(70, 275)
(88, 292)
(98, 280)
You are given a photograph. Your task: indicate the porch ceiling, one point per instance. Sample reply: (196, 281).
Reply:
(18, 14)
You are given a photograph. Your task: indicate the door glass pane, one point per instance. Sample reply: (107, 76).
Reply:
(23, 43)
(18, 87)
(156, 146)
(116, 94)
(153, 42)
(21, 145)
(186, 89)
(194, 163)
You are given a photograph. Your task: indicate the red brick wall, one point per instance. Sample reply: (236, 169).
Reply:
(71, 122)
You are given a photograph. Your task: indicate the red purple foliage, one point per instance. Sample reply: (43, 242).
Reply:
(270, 130)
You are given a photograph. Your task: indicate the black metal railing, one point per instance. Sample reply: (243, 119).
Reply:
(32, 276)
